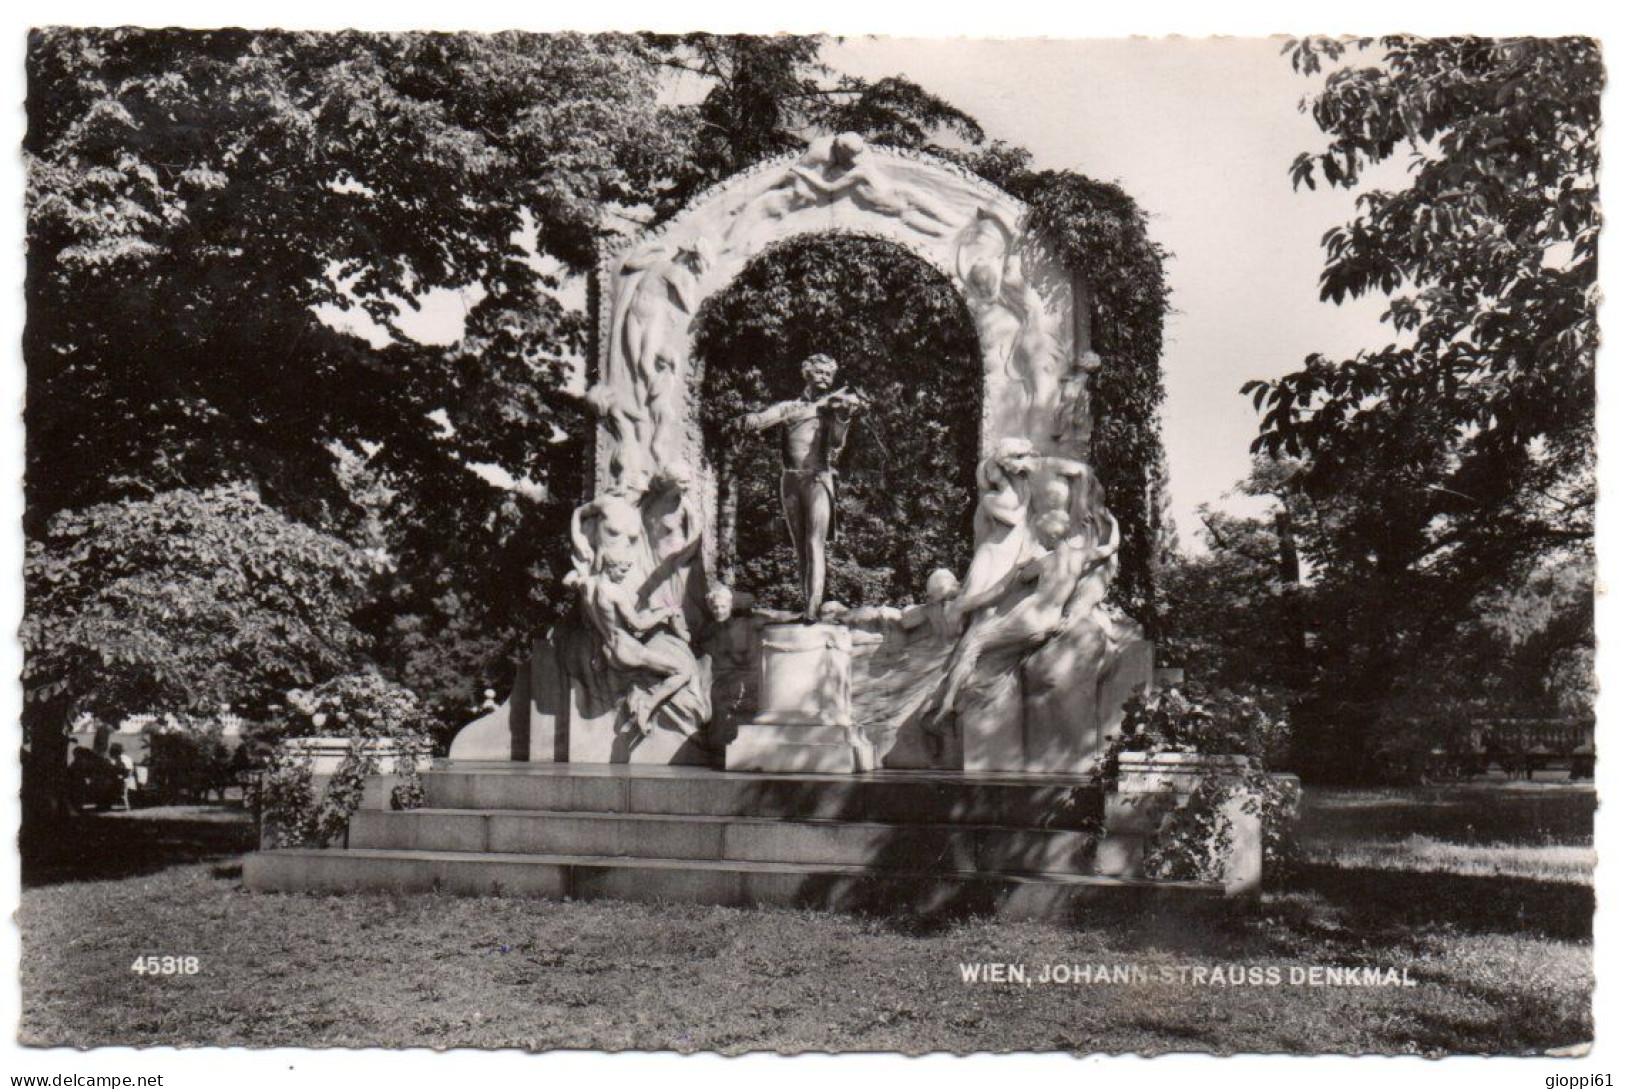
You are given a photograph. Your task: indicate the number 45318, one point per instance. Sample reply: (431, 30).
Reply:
(165, 966)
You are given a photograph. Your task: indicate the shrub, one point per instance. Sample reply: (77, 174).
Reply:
(361, 707)
(1194, 841)
(187, 759)
(358, 705)
(1197, 718)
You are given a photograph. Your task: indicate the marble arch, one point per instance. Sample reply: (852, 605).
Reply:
(1032, 331)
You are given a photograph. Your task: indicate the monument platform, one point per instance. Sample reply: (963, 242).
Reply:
(886, 841)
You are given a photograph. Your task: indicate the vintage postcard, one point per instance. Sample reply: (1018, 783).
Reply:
(721, 543)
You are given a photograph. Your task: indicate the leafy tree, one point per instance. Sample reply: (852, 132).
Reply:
(186, 600)
(1475, 430)
(1100, 233)
(200, 206)
(908, 481)
(1450, 464)
(765, 96)
(199, 200)
(1231, 618)
(183, 601)
(1374, 674)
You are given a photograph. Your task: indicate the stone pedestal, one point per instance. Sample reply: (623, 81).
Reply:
(804, 717)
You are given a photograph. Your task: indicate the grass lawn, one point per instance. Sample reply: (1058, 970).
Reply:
(1481, 892)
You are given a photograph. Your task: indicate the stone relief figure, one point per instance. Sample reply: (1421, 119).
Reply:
(650, 325)
(814, 429)
(672, 528)
(645, 641)
(853, 171)
(1036, 601)
(1069, 486)
(1010, 313)
(637, 657)
(935, 616)
(1003, 533)
(609, 526)
(1074, 409)
(790, 194)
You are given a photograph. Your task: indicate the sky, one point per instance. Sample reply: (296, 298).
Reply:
(1201, 133)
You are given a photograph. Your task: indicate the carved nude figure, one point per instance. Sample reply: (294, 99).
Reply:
(934, 615)
(608, 527)
(1010, 311)
(1036, 601)
(791, 193)
(1069, 486)
(1003, 536)
(672, 532)
(854, 171)
(651, 322)
(633, 640)
(1074, 410)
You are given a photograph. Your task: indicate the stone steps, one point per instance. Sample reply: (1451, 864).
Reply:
(729, 883)
(950, 847)
(883, 841)
(883, 797)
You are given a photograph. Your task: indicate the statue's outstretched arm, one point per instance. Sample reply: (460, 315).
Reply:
(912, 617)
(1066, 467)
(815, 180)
(768, 417)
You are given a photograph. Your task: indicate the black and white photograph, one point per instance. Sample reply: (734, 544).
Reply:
(702, 542)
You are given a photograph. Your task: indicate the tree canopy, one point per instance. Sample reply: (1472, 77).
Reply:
(1472, 435)
(765, 96)
(201, 204)
(1449, 472)
(183, 602)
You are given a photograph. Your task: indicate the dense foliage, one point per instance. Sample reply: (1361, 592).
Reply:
(766, 96)
(188, 762)
(205, 207)
(1194, 842)
(907, 483)
(183, 601)
(363, 704)
(1241, 614)
(367, 710)
(1447, 470)
(1194, 717)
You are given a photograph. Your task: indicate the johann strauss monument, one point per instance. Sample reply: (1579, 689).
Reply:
(1015, 664)
(673, 741)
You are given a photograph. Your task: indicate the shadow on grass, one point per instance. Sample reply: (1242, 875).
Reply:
(105, 847)
(1472, 813)
(1384, 900)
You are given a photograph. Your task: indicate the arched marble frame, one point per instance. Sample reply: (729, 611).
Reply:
(1021, 295)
